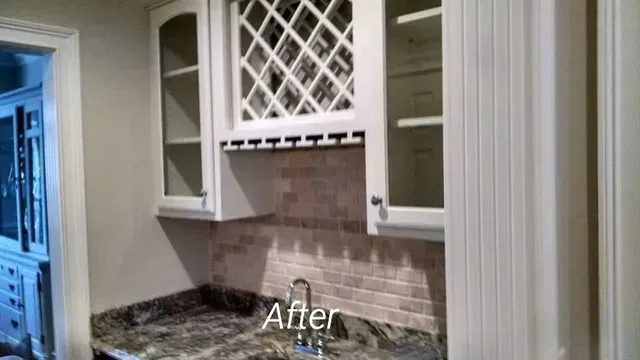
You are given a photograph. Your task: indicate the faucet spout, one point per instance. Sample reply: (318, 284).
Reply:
(292, 287)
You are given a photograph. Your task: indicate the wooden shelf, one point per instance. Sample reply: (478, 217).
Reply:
(181, 71)
(183, 141)
(419, 121)
(424, 25)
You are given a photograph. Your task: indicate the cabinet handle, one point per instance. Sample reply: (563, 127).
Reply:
(12, 287)
(14, 324)
(12, 271)
(13, 302)
(376, 200)
(203, 193)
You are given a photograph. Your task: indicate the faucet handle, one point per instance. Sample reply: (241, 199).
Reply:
(321, 340)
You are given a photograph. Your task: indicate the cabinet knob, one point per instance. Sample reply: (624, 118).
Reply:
(15, 324)
(376, 200)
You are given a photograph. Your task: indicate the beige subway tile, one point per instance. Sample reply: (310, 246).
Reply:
(276, 279)
(374, 312)
(363, 296)
(343, 292)
(332, 277)
(322, 263)
(411, 275)
(410, 305)
(385, 271)
(420, 292)
(287, 257)
(362, 268)
(372, 284)
(397, 288)
(277, 267)
(424, 323)
(294, 271)
(322, 288)
(398, 317)
(340, 265)
(354, 281)
(390, 301)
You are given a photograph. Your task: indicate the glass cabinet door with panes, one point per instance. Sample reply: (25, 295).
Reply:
(22, 190)
(181, 110)
(402, 96)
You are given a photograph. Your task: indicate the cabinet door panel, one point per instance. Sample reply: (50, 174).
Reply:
(402, 96)
(11, 322)
(10, 217)
(33, 193)
(32, 306)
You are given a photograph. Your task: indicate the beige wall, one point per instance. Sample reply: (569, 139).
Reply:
(131, 256)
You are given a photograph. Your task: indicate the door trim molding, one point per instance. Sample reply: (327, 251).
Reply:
(618, 177)
(606, 200)
(65, 180)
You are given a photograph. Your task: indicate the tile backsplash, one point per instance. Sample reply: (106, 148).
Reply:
(319, 233)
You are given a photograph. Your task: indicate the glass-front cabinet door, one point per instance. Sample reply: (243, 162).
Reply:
(32, 188)
(182, 115)
(23, 225)
(406, 190)
(10, 199)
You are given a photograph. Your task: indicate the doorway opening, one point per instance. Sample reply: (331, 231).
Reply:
(55, 272)
(26, 320)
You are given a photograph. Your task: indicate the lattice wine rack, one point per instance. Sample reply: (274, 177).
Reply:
(292, 64)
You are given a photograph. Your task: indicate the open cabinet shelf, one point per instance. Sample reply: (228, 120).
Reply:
(419, 121)
(422, 18)
(184, 141)
(193, 69)
(420, 26)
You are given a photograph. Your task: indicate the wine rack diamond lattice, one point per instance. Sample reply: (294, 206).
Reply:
(295, 57)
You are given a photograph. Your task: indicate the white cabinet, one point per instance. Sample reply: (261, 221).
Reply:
(25, 303)
(181, 109)
(399, 90)
(193, 177)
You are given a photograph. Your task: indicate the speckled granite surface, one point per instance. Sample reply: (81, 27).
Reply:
(226, 324)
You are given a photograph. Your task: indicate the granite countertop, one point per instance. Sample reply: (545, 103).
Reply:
(208, 333)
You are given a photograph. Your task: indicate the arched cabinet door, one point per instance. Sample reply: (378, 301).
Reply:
(181, 110)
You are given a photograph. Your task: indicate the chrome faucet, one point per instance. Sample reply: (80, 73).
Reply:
(313, 342)
(305, 322)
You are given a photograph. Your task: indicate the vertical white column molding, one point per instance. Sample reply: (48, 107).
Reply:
(515, 178)
(619, 176)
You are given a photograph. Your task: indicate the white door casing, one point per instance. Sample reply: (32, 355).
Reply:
(619, 177)
(64, 166)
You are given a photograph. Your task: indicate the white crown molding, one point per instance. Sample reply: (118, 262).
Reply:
(35, 28)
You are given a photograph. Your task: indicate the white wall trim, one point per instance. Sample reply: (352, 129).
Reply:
(618, 177)
(65, 181)
(606, 200)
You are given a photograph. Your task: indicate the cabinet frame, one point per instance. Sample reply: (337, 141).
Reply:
(371, 104)
(196, 207)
